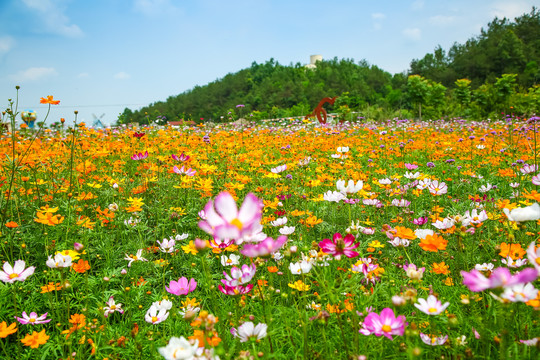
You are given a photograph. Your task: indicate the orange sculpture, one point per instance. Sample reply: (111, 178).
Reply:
(320, 110)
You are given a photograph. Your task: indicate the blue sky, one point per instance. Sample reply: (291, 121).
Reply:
(101, 56)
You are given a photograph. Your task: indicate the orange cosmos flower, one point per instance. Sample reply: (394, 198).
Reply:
(81, 266)
(49, 219)
(433, 243)
(404, 233)
(12, 224)
(35, 339)
(5, 330)
(51, 287)
(440, 268)
(273, 269)
(49, 100)
(515, 251)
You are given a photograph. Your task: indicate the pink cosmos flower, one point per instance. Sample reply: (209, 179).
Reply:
(500, 277)
(431, 306)
(16, 273)
(182, 286)
(111, 307)
(410, 166)
(183, 157)
(437, 188)
(139, 156)
(32, 319)
(263, 248)
(235, 290)
(385, 324)
(340, 245)
(183, 171)
(533, 254)
(225, 221)
(239, 276)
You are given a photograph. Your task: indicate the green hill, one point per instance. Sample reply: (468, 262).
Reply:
(272, 90)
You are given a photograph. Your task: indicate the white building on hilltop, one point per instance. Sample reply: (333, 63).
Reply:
(313, 60)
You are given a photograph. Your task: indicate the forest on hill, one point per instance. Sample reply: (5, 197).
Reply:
(495, 72)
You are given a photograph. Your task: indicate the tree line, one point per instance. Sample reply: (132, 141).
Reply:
(494, 73)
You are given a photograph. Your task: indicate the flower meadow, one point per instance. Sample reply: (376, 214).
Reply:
(284, 239)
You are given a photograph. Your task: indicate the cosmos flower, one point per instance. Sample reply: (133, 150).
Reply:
(182, 286)
(239, 276)
(16, 273)
(136, 257)
(350, 188)
(179, 348)
(235, 290)
(431, 306)
(155, 315)
(248, 331)
(59, 261)
(225, 221)
(139, 156)
(263, 248)
(433, 340)
(32, 319)
(183, 157)
(230, 260)
(111, 307)
(340, 245)
(523, 214)
(386, 324)
(301, 267)
(184, 171)
(335, 196)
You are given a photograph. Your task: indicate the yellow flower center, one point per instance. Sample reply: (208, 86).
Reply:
(432, 310)
(537, 260)
(386, 328)
(237, 223)
(154, 319)
(135, 257)
(113, 307)
(13, 276)
(32, 320)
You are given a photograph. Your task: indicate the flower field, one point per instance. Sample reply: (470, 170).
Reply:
(279, 240)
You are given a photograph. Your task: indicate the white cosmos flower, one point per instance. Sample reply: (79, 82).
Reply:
(422, 233)
(411, 176)
(523, 214)
(301, 267)
(230, 260)
(179, 349)
(334, 196)
(279, 169)
(248, 330)
(279, 221)
(287, 230)
(385, 181)
(59, 261)
(485, 188)
(351, 187)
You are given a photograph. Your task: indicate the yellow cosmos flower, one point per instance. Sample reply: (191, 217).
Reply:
(300, 286)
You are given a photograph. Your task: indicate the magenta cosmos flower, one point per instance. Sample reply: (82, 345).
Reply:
(385, 324)
(263, 248)
(182, 286)
(32, 319)
(16, 273)
(224, 220)
(184, 171)
(183, 157)
(235, 290)
(340, 245)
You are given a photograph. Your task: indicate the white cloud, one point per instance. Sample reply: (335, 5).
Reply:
(441, 20)
(33, 74)
(378, 16)
(413, 34)
(153, 7)
(417, 5)
(122, 76)
(510, 9)
(54, 20)
(83, 75)
(6, 43)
